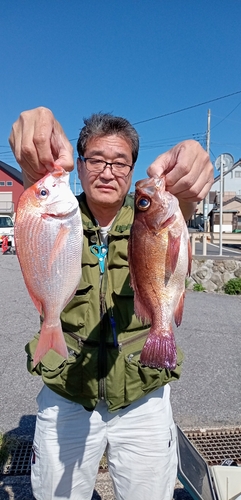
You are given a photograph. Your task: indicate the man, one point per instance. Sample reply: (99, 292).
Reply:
(102, 398)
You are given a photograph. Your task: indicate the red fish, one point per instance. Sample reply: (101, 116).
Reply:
(49, 238)
(159, 255)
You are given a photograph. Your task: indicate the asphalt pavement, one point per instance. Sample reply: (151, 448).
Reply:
(207, 395)
(213, 250)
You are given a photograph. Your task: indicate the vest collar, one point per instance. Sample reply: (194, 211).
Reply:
(122, 222)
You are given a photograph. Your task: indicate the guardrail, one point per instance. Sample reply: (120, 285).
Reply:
(227, 238)
(199, 237)
(205, 238)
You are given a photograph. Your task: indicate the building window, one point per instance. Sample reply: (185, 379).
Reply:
(2, 183)
(238, 222)
(9, 183)
(237, 173)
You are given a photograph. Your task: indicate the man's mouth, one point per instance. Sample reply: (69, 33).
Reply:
(106, 187)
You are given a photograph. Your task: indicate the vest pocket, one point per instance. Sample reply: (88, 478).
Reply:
(80, 379)
(123, 309)
(76, 310)
(141, 380)
(75, 377)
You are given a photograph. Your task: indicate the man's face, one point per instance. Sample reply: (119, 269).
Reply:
(104, 188)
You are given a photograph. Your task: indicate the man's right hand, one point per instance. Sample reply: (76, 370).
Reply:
(38, 141)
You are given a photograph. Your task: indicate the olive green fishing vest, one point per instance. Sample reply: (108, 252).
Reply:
(102, 333)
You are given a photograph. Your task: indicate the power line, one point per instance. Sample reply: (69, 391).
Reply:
(181, 110)
(230, 120)
(226, 116)
(169, 114)
(170, 141)
(187, 108)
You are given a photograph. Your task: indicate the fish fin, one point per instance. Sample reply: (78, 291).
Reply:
(139, 308)
(179, 310)
(159, 351)
(37, 304)
(50, 338)
(189, 259)
(140, 311)
(168, 221)
(173, 250)
(59, 244)
(70, 297)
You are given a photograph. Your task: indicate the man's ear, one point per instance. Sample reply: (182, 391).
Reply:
(79, 164)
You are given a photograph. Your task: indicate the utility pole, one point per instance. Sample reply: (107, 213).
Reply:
(221, 208)
(206, 200)
(75, 185)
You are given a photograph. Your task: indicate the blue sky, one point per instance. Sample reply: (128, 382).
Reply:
(139, 59)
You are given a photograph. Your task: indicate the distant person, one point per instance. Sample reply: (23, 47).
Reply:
(102, 398)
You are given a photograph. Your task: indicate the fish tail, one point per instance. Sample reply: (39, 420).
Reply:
(51, 337)
(159, 351)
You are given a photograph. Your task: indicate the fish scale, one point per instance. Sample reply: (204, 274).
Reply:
(159, 256)
(49, 239)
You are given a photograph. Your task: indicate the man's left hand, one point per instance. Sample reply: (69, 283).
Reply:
(188, 171)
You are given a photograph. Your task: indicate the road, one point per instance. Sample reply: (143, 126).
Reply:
(214, 250)
(208, 393)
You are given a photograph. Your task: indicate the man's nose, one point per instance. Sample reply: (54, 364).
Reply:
(107, 172)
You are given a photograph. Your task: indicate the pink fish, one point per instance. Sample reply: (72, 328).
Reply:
(49, 239)
(160, 257)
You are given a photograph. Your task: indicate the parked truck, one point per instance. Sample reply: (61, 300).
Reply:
(7, 229)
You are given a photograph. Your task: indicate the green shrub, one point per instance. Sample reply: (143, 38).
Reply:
(198, 287)
(7, 443)
(233, 286)
(4, 450)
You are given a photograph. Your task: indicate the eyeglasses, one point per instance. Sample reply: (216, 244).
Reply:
(117, 168)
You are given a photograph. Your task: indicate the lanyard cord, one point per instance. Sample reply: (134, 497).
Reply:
(104, 286)
(112, 319)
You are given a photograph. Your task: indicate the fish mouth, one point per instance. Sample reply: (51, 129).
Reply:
(59, 172)
(148, 187)
(60, 215)
(158, 182)
(151, 184)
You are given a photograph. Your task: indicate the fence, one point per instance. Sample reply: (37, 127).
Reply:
(205, 238)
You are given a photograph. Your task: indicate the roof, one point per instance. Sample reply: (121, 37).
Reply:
(13, 172)
(231, 200)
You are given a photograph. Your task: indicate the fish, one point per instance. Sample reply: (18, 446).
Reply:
(159, 256)
(49, 241)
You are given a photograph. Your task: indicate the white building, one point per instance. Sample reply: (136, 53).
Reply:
(231, 220)
(231, 180)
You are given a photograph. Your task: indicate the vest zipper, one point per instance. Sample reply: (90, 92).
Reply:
(132, 340)
(102, 358)
(94, 343)
(75, 337)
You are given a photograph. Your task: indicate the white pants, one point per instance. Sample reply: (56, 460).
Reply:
(140, 443)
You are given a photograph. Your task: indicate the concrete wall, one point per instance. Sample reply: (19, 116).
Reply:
(213, 273)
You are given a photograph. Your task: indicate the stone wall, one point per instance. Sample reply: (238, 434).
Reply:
(213, 273)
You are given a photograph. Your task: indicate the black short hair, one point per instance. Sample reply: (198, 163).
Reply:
(101, 124)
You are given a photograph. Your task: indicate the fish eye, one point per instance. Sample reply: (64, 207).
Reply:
(143, 203)
(43, 193)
